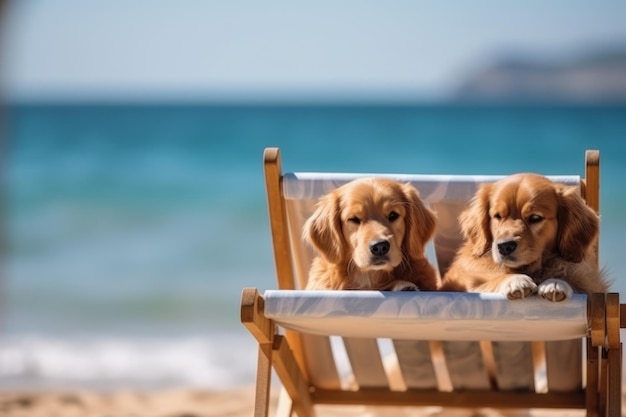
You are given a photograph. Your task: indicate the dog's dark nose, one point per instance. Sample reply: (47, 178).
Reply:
(379, 247)
(507, 248)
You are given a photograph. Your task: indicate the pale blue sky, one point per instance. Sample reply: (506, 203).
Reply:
(139, 49)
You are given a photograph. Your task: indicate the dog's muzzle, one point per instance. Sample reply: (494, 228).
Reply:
(506, 248)
(379, 247)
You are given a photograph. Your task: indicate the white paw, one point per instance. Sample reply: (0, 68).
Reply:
(554, 289)
(404, 286)
(517, 287)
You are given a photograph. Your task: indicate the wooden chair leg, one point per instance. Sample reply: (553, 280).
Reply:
(263, 330)
(604, 382)
(593, 376)
(263, 380)
(292, 378)
(614, 355)
(614, 401)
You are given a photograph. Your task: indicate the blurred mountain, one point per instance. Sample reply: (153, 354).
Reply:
(595, 77)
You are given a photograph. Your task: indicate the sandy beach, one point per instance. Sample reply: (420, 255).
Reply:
(169, 403)
(199, 403)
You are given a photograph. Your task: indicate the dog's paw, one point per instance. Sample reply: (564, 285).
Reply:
(517, 287)
(403, 286)
(555, 290)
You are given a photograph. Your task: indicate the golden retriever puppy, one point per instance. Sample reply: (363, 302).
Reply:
(371, 234)
(526, 234)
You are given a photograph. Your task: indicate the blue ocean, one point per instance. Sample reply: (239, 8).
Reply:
(131, 229)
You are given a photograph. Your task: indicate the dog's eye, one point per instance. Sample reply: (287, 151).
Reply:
(393, 216)
(354, 220)
(497, 216)
(535, 218)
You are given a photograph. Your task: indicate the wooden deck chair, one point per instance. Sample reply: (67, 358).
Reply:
(463, 350)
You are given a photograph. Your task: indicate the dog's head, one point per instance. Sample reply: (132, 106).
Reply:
(371, 223)
(524, 216)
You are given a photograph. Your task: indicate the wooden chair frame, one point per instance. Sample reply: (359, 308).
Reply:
(281, 349)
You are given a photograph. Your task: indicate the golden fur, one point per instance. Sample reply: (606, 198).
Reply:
(371, 234)
(527, 234)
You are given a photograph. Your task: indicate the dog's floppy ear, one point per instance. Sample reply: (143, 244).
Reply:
(578, 224)
(475, 221)
(420, 222)
(323, 228)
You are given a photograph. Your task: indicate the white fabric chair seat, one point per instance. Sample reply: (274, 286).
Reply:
(447, 316)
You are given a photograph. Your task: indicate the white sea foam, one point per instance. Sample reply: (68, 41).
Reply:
(218, 361)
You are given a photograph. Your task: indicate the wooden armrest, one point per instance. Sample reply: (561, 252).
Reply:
(253, 318)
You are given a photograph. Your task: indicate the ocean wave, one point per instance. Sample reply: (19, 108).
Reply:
(220, 361)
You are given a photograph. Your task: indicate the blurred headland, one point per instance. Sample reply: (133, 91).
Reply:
(595, 75)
